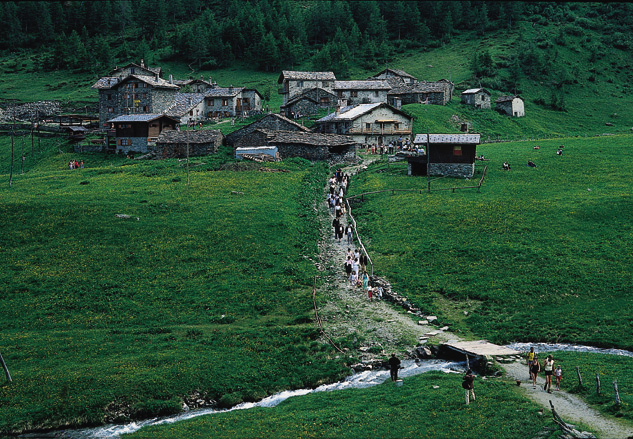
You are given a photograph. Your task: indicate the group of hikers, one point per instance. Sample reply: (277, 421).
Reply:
(534, 368)
(74, 164)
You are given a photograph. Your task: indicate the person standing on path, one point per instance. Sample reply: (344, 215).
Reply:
(530, 359)
(468, 384)
(350, 234)
(534, 370)
(558, 373)
(394, 365)
(366, 283)
(335, 224)
(548, 367)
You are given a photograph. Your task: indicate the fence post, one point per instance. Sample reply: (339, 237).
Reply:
(618, 402)
(6, 369)
(579, 377)
(598, 383)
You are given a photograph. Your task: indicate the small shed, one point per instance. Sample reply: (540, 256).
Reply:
(446, 154)
(510, 105)
(274, 122)
(476, 97)
(174, 144)
(134, 132)
(76, 133)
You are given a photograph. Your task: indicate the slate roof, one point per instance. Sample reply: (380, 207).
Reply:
(421, 87)
(139, 117)
(113, 81)
(106, 82)
(370, 84)
(155, 70)
(309, 76)
(351, 112)
(190, 136)
(472, 91)
(306, 138)
(502, 99)
(218, 92)
(305, 93)
(448, 138)
(397, 72)
(183, 102)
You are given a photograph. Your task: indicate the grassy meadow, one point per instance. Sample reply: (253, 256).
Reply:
(416, 409)
(205, 291)
(538, 254)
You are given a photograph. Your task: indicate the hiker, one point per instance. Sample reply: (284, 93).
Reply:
(530, 359)
(558, 373)
(370, 292)
(364, 260)
(352, 279)
(335, 224)
(394, 365)
(379, 293)
(534, 370)
(548, 367)
(81, 164)
(348, 267)
(469, 385)
(341, 232)
(366, 283)
(350, 235)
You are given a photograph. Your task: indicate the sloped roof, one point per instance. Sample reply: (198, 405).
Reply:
(396, 72)
(155, 70)
(309, 76)
(183, 102)
(306, 138)
(369, 84)
(140, 117)
(113, 81)
(448, 138)
(199, 136)
(421, 87)
(106, 82)
(221, 92)
(352, 112)
(472, 91)
(305, 95)
(510, 98)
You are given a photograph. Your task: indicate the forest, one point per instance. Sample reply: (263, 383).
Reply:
(90, 36)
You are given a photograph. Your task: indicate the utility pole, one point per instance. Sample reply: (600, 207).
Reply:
(12, 134)
(428, 160)
(188, 158)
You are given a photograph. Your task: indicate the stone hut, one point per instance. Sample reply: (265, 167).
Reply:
(476, 97)
(136, 132)
(510, 105)
(446, 154)
(434, 93)
(295, 83)
(308, 145)
(309, 102)
(373, 124)
(362, 92)
(174, 144)
(273, 122)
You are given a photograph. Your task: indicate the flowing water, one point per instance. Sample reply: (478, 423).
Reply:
(356, 381)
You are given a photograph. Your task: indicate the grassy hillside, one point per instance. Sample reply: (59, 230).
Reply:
(539, 254)
(206, 291)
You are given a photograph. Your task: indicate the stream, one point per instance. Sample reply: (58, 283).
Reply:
(359, 380)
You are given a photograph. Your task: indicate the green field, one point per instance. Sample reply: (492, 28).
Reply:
(205, 291)
(538, 254)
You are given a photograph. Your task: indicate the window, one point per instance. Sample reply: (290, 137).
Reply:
(109, 97)
(146, 109)
(135, 85)
(125, 142)
(144, 95)
(300, 84)
(353, 94)
(210, 102)
(457, 150)
(245, 101)
(368, 126)
(376, 93)
(396, 126)
(225, 102)
(110, 110)
(190, 112)
(325, 100)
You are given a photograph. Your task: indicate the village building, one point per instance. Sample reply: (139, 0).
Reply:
(361, 92)
(179, 144)
(450, 155)
(296, 83)
(434, 93)
(308, 145)
(476, 97)
(309, 102)
(272, 122)
(258, 153)
(135, 132)
(132, 94)
(395, 77)
(373, 124)
(135, 69)
(510, 105)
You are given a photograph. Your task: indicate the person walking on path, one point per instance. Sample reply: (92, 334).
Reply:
(534, 370)
(548, 367)
(366, 283)
(394, 365)
(468, 384)
(350, 235)
(558, 373)
(530, 359)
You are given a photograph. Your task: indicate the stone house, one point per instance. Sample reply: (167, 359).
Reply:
(136, 132)
(446, 154)
(272, 122)
(309, 102)
(362, 92)
(434, 93)
(373, 124)
(295, 83)
(510, 105)
(396, 77)
(476, 97)
(119, 95)
(135, 69)
(174, 144)
(308, 145)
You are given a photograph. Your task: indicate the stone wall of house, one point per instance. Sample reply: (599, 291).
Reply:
(138, 144)
(267, 123)
(365, 97)
(303, 107)
(307, 152)
(463, 170)
(179, 150)
(30, 111)
(161, 99)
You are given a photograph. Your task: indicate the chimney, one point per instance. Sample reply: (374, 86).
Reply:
(171, 78)
(142, 63)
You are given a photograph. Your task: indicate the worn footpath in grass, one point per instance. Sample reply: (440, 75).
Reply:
(416, 409)
(206, 290)
(543, 251)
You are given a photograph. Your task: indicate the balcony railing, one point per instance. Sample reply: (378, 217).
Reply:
(377, 132)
